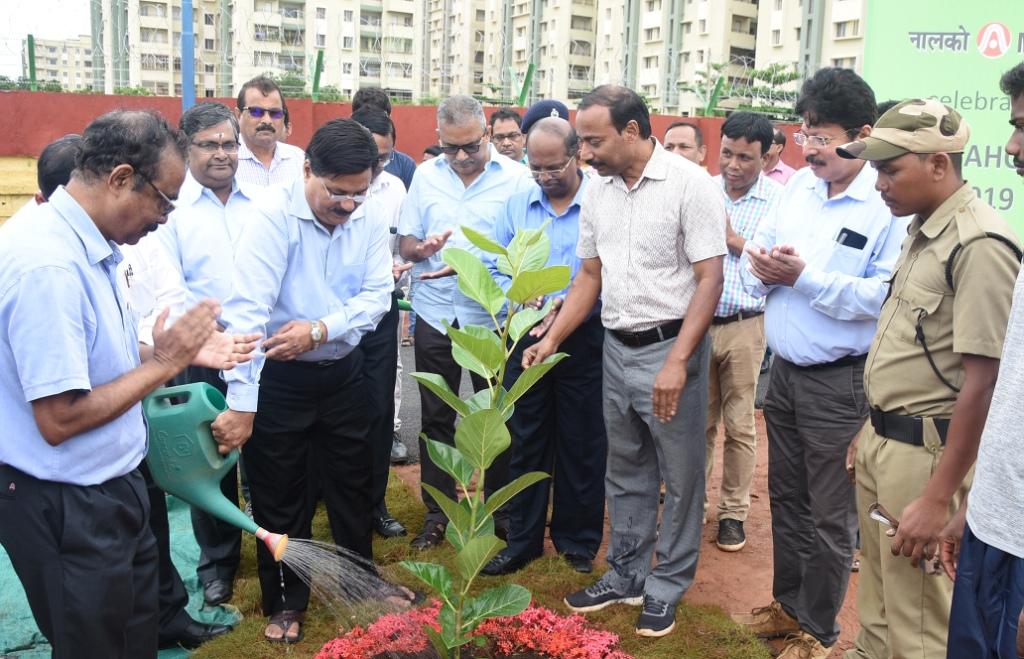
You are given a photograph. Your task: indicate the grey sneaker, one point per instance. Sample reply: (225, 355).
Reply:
(599, 595)
(657, 618)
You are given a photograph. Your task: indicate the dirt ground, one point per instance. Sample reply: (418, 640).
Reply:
(738, 581)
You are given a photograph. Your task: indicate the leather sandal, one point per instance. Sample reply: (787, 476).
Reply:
(285, 619)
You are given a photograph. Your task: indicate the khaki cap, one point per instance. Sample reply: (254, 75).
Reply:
(913, 126)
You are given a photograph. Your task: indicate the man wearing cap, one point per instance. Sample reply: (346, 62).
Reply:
(929, 375)
(541, 110)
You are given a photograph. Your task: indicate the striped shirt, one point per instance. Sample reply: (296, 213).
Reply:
(285, 167)
(648, 237)
(744, 214)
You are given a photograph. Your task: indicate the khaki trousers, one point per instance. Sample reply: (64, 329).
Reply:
(737, 349)
(903, 611)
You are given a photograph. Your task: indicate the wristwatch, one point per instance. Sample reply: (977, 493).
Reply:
(316, 333)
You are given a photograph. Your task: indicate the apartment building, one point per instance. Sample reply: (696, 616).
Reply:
(811, 34)
(67, 61)
(365, 43)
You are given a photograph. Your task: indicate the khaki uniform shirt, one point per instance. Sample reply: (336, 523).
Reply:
(897, 377)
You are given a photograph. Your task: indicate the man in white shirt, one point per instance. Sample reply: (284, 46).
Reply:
(263, 159)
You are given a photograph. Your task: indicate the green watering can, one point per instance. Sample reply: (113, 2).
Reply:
(183, 455)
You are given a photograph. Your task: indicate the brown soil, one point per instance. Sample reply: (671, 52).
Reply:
(736, 581)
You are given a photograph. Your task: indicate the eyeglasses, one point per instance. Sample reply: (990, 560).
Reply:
(816, 140)
(469, 149)
(169, 204)
(551, 173)
(214, 147)
(511, 137)
(338, 198)
(258, 112)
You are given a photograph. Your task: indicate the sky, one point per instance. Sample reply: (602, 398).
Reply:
(46, 19)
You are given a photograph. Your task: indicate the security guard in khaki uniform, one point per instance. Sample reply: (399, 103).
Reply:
(929, 374)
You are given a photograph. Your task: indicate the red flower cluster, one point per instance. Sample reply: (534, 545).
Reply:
(537, 630)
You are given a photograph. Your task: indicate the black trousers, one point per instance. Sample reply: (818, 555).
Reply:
(87, 560)
(220, 543)
(558, 428)
(310, 416)
(433, 352)
(380, 364)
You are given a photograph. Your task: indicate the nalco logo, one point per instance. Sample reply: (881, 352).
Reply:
(993, 40)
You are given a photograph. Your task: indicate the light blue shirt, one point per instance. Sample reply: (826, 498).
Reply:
(530, 209)
(288, 266)
(437, 201)
(831, 310)
(201, 234)
(64, 327)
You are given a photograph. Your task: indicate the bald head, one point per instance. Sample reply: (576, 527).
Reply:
(554, 128)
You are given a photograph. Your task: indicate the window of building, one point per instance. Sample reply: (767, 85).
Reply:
(162, 88)
(847, 29)
(686, 27)
(346, 68)
(686, 57)
(148, 35)
(520, 55)
(177, 89)
(348, 15)
(266, 33)
(700, 57)
(260, 58)
(209, 68)
(776, 37)
(653, 5)
(481, 15)
(346, 42)
(321, 40)
(208, 44)
(778, 5)
(321, 12)
(652, 33)
(479, 57)
(208, 19)
(844, 62)
(798, 35)
(702, 26)
(582, 23)
(651, 62)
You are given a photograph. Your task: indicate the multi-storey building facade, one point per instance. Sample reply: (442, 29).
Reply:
(811, 34)
(66, 61)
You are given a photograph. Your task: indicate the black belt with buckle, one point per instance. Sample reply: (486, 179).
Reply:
(323, 363)
(906, 429)
(740, 315)
(645, 338)
(848, 360)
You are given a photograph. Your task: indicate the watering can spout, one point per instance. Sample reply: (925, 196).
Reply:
(183, 456)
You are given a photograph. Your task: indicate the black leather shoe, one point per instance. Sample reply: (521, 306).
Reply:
(579, 563)
(217, 592)
(399, 451)
(431, 536)
(388, 526)
(505, 564)
(195, 634)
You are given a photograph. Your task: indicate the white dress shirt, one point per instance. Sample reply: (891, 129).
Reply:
(285, 167)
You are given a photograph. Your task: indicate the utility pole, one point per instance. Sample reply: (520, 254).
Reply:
(188, 57)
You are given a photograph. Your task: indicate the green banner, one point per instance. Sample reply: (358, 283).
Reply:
(955, 52)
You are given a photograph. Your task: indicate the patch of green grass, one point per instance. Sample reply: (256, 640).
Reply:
(702, 632)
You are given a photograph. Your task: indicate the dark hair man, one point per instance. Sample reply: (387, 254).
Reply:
(400, 165)
(381, 359)
(431, 152)
(55, 165)
(200, 239)
(737, 329)
(470, 185)
(686, 139)
(774, 167)
(557, 426)
(821, 261)
(664, 213)
(263, 158)
(318, 278)
(71, 390)
(507, 135)
(983, 545)
(924, 436)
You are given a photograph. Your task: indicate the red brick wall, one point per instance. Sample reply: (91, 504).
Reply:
(38, 118)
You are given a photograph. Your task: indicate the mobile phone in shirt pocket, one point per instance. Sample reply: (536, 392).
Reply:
(847, 252)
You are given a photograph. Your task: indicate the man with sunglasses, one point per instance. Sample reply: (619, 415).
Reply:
(263, 157)
(822, 261)
(314, 275)
(200, 238)
(557, 427)
(75, 512)
(470, 185)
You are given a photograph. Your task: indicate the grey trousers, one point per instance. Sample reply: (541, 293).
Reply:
(643, 451)
(812, 415)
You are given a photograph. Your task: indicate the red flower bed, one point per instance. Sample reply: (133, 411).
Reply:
(534, 632)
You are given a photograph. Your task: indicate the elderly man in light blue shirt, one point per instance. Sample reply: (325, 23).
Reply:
(470, 186)
(314, 276)
(71, 382)
(822, 260)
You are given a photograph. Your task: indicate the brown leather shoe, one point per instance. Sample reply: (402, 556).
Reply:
(768, 621)
(803, 646)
